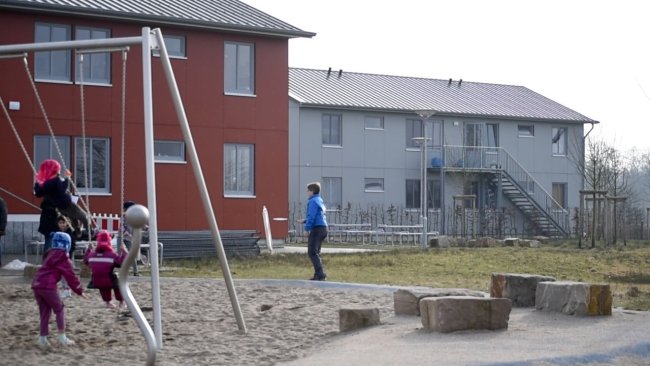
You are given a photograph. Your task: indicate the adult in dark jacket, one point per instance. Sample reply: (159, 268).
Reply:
(54, 190)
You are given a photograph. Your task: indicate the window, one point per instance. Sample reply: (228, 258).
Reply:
(332, 192)
(52, 65)
(559, 141)
(492, 134)
(413, 193)
(44, 148)
(238, 169)
(414, 129)
(332, 129)
(374, 123)
(169, 151)
(559, 195)
(526, 130)
(374, 184)
(96, 66)
(97, 162)
(175, 46)
(239, 68)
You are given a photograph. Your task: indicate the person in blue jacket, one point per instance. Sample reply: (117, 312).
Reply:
(315, 229)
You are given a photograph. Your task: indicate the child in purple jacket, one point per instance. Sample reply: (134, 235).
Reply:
(102, 261)
(57, 264)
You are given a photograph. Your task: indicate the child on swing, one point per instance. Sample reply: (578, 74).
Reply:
(57, 264)
(102, 261)
(54, 190)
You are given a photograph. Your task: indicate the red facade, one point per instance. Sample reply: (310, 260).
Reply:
(215, 118)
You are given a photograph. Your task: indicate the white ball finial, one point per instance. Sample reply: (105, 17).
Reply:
(137, 216)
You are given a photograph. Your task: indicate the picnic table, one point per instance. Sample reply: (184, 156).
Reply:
(348, 231)
(399, 232)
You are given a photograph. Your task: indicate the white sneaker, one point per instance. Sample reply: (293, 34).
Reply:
(110, 305)
(65, 341)
(66, 294)
(43, 343)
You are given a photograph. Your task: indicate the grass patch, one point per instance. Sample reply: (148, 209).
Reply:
(468, 268)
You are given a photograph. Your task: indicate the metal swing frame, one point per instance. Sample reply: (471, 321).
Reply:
(150, 40)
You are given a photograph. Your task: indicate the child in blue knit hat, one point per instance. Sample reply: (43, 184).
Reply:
(57, 264)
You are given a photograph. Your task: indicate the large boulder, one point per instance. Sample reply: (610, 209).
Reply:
(518, 287)
(452, 313)
(574, 298)
(357, 317)
(407, 301)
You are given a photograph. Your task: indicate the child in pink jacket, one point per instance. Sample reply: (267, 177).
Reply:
(102, 261)
(57, 264)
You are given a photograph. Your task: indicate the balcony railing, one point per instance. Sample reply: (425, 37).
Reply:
(468, 158)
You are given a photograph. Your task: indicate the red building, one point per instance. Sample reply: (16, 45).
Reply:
(231, 65)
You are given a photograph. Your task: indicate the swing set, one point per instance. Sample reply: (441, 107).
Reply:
(149, 40)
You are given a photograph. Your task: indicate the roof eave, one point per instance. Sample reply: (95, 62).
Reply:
(99, 14)
(438, 114)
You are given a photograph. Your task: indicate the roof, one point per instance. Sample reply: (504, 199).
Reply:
(351, 90)
(225, 15)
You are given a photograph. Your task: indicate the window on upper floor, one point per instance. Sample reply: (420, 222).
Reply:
(331, 129)
(559, 195)
(332, 192)
(492, 134)
(94, 167)
(239, 169)
(239, 68)
(374, 123)
(559, 141)
(526, 130)
(175, 46)
(45, 148)
(96, 66)
(374, 184)
(414, 129)
(52, 65)
(169, 151)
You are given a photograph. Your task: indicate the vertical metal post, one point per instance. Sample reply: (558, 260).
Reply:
(424, 204)
(151, 182)
(200, 180)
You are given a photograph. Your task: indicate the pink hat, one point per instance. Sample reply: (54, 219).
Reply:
(104, 241)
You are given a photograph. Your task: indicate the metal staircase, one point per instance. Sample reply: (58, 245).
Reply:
(516, 184)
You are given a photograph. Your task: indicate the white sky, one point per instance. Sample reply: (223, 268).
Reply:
(592, 56)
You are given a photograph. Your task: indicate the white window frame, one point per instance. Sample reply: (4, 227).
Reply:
(526, 130)
(165, 155)
(52, 58)
(327, 126)
(92, 62)
(179, 52)
(374, 123)
(235, 172)
(369, 185)
(78, 174)
(44, 142)
(239, 73)
(559, 141)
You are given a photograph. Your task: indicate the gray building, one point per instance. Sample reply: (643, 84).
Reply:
(500, 160)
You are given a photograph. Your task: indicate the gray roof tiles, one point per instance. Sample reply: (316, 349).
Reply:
(398, 93)
(232, 15)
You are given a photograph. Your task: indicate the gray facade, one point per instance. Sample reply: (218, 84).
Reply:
(487, 153)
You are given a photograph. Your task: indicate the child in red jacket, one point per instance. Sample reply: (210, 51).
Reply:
(57, 264)
(102, 261)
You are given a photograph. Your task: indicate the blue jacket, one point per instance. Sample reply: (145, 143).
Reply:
(315, 212)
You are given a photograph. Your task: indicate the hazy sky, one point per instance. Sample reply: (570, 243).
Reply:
(591, 56)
